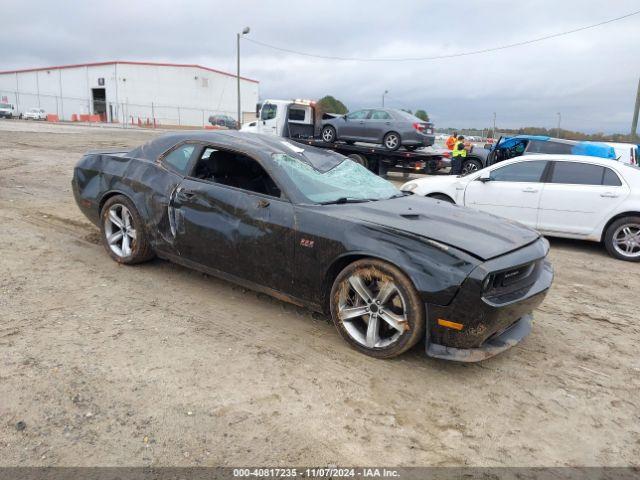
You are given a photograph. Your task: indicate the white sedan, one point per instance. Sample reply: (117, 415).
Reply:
(567, 196)
(35, 114)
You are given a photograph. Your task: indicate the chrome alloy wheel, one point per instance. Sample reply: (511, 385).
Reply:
(469, 167)
(328, 135)
(626, 240)
(372, 310)
(392, 141)
(119, 231)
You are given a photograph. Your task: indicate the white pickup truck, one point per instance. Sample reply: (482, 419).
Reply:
(7, 110)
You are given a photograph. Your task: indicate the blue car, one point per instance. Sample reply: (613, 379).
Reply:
(510, 147)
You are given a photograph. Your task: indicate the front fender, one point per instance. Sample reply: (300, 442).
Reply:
(436, 270)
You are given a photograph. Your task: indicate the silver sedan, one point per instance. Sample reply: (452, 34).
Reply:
(389, 127)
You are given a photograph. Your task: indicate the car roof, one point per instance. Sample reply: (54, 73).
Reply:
(565, 158)
(253, 144)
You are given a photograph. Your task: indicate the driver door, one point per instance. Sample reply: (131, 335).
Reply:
(354, 126)
(512, 191)
(231, 217)
(269, 119)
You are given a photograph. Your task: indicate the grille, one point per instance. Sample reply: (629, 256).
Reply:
(511, 284)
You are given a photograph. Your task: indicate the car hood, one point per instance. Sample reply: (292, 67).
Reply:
(480, 234)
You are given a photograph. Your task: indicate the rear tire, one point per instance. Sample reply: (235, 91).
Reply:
(471, 165)
(622, 239)
(392, 141)
(376, 308)
(123, 232)
(328, 134)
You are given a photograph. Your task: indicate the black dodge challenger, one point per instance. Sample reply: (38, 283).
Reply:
(311, 227)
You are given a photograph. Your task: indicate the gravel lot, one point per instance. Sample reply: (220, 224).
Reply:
(160, 365)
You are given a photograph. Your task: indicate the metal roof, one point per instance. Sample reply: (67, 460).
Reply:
(125, 62)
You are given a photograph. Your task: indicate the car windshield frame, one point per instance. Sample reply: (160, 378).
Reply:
(345, 182)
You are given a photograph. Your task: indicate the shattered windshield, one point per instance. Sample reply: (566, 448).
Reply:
(347, 181)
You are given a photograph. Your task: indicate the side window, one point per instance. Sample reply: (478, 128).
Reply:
(268, 111)
(549, 146)
(296, 114)
(380, 115)
(178, 159)
(520, 172)
(235, 170)
(611, 178)
(359, 115)
(576, 173)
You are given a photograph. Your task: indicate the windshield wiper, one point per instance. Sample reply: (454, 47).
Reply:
(342, 200)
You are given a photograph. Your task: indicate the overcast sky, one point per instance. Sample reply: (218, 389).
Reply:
(590, 77)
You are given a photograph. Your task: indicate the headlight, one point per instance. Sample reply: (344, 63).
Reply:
(410, 187)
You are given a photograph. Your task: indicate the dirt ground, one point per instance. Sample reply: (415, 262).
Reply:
(159, 365)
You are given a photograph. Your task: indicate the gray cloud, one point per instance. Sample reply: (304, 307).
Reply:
(590, 77)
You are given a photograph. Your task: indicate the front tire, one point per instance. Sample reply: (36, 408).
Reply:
(123, 232)
(392, 141)
(328, 134)
(622, 239)
(376, 308)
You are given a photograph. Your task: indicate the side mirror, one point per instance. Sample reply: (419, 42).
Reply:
(485, 177)
(258, 107)
(344, 117)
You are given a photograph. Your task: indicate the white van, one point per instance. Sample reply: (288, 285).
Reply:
(625, 152)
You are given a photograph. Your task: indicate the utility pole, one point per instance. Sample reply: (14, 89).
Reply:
(634, 122)
(493, 135)
(245, 30)
(385, 92)
(559, 119)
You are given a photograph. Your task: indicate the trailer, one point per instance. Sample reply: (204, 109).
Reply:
(296, 120)
(380, 160)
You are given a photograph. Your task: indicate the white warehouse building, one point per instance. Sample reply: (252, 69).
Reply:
(131, 92)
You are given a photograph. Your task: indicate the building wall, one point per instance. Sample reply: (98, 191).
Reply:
(173, 95)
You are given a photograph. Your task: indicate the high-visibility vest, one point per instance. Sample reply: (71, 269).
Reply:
(459, 150)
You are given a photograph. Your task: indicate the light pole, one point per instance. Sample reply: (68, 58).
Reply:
(245, 30)
(385, 92)
(493, 135)
(559, 119)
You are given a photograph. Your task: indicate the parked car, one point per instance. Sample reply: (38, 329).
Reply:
(625, 152)
(569, 196)
(314, 228)
(35, 114)
(390, 127)
(223, 121)
(7, 110)
(515, 146)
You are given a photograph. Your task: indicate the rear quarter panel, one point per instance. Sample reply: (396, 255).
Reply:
(98, 176)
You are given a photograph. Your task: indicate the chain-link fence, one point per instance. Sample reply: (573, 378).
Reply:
(123, 113)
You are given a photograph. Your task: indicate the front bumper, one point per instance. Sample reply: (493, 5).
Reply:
(493, 346)
(492, 320)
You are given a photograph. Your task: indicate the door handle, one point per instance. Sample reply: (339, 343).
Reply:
(387, 123)
(530, 190)
(361, 122)
(609, 195)
(262, 203)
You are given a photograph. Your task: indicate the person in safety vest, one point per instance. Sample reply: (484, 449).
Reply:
(451, 141)
(457, 156)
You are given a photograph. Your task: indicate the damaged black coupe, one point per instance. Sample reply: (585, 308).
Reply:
(314, 228)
